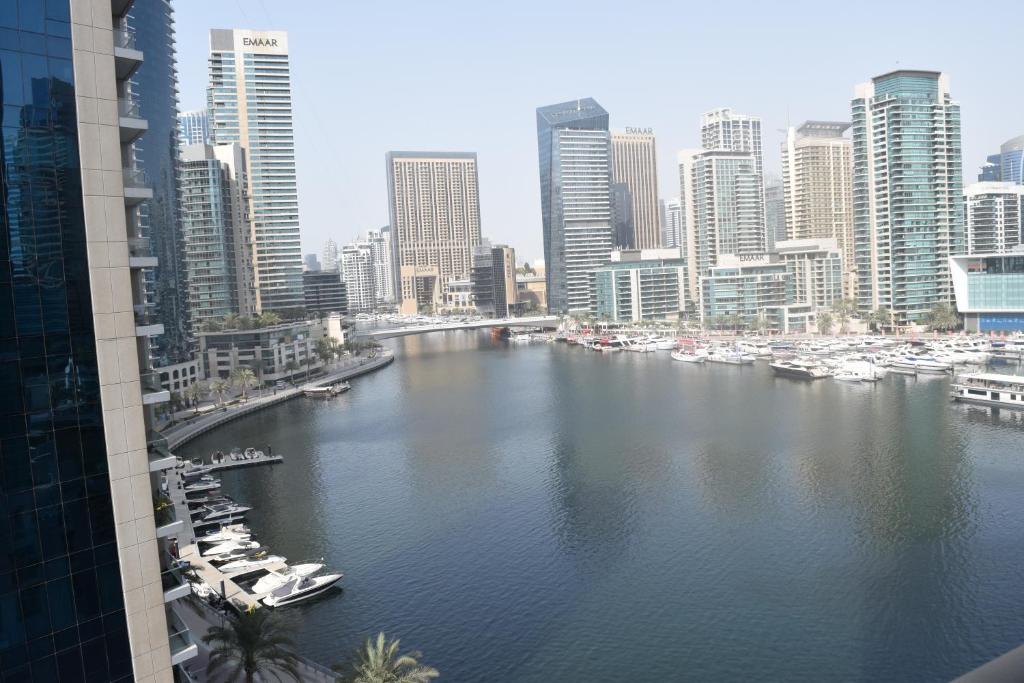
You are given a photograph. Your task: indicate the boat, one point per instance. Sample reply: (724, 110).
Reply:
(689, 357)
(237, 532)
(299, 588)
(729, 356)
(519, 338)
(273, 579)
(846, 376)
(799, 369)
(202, 485)
(318, 392)
(988, 388)
(222, 512)
(340, 388)
(921, 363)
(229, 547)
(248, 564)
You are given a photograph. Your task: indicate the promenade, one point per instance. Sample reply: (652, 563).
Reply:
(193, 426)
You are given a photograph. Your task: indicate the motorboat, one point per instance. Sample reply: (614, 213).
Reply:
(921, 363)
(273, 579)
(238, 532)
(519, 338)
(689, 356)
(223, 512)
(249, 564)
(299, 588)
(201, 486)
(1003, 391)
(196, 472)
(799, 369)
(230, 546)
(729, 356)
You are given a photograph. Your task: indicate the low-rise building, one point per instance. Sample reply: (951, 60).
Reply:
(989, 290)
(745, 288)
(324, 292)
(532, 291)
(458, 294)
(279, 352)
(641, 284)
(493, 279)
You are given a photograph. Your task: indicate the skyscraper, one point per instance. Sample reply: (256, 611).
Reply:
(357, 273)
(330, 255)
(82, 596)
(156, 156)
(685, 160)
(907, 192)
(574, 154)
(218, 251)
(774, 212)
(249, 102)
(623, 234)
(193, 128)
(1011, 161)
(994, 215)
(725, 129)
(672, 234)
(634, 164)
(383, 266)
(817, 177)
(434, 203)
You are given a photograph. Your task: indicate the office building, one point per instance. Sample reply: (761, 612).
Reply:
(83, 598)
(493, 280)
(685, 161)
(672, 232)
(330, 261)
(622, 216)
(434, 204)
(218, 253)
(990, 171)
(907, 193)
(357, 272)
(280, 352)
(774, 212)
(531, 292)
(324, 292)
(574, 156)
(458, 295)
(634, 165)
(817, 177)
(193, 128)
(994, 217)
(725, 129)
(154, 91)
(641, 284)
(383, 266)
(310, 264)
(249, 102)
(989, 290)
(1011, 161)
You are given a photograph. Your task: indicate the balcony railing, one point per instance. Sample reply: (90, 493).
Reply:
(129, 108)
(124, 38)
(139, 247)
(135, 177)
(150, 382)
(183, 648)
(145, 316)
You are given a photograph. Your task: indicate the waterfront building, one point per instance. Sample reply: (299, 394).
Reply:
(685, 161)
(817, 178)
(989, 290)
(280, 352)
(1011, 161)
(458, 295)
(573, 151)
(774, 212)
(193, 128)
(641, 284)
(357, 273)
(994, 214)
(325, 292)
(815, 267)
(249, 102)
(725, 129)
(83, 598)
(907, 192)
(753, 289)
(330, 255)
(434, 205)
(493, 280)
(672, 232)
(383, 266)
(216, 232)
(310, 263)
(531, 292)
(634, 165)
(154, 93)
(622, 215)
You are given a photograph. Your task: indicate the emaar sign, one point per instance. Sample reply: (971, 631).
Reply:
(266, 42)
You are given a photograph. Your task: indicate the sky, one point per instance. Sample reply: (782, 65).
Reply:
(455, 75)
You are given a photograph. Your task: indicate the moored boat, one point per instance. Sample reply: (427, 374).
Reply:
(299, 588)
(799, 369)
(988, 388)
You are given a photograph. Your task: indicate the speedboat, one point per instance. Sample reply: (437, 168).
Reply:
(687, 357)
(238, 532)
(299, 588)
(921, 364)
(248, 564)
(223, 512)
(229, 547)
(799, 369)
(730, 357)
(274, 579)
(202, 485)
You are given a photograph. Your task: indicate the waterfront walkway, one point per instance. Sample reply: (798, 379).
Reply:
(182, 433)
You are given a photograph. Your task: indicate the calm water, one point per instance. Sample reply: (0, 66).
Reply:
(542, 513)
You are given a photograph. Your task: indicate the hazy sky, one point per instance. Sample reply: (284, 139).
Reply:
(374, 76)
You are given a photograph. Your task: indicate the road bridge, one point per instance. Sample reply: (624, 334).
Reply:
(545, 321)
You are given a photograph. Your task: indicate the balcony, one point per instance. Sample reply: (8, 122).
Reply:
(152, 390)
(136, 187)
(146, 322)
(160, 456)
(140, 254)
(174, 583)
(120, 7)
(130, 120)
(180, 638)
(127, 57)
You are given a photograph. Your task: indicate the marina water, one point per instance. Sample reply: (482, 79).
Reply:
(543, 513)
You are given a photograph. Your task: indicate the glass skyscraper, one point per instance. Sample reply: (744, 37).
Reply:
(193, 128)
(1011, 161)
(575, 173)
(250, 102)
(907, 192)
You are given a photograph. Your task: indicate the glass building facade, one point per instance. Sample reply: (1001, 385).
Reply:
(62, 615)
(990, 291)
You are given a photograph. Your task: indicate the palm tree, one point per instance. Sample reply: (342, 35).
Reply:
(291, 366)
(194, 393)
(379, 662)
(881, 318)
(824, 323)
(219, 388)
(250, 643)
(268, 318)
(842, 310)
(943, 317)
(230, 321)
(324, 349)
(244, 379)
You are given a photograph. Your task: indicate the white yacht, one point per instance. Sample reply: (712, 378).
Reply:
(247, 564)
(299, 588)
(689, 356)
(202, 485)
(1003, 391)
(799, 369)
(237, 532)
(273, 579)
(921, 363)
(223, 512)
(729, 356)
(230, 547)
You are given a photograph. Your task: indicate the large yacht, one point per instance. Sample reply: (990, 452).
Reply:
(799, 369)
(1004, 391)
(298, 588)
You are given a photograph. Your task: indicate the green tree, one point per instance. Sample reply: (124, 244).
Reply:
(325, 349)
(244, 379)
(251, 643)
(842, 311)
(231, 321)
(194, 393)
(824, 323)
(268, 318)
(379, 662)
(943, 317)
(246, 322)
(292, 367)
(219, 388)
(881, 318)
(211, 326)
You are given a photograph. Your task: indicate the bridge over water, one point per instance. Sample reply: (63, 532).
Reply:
(545, 321)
